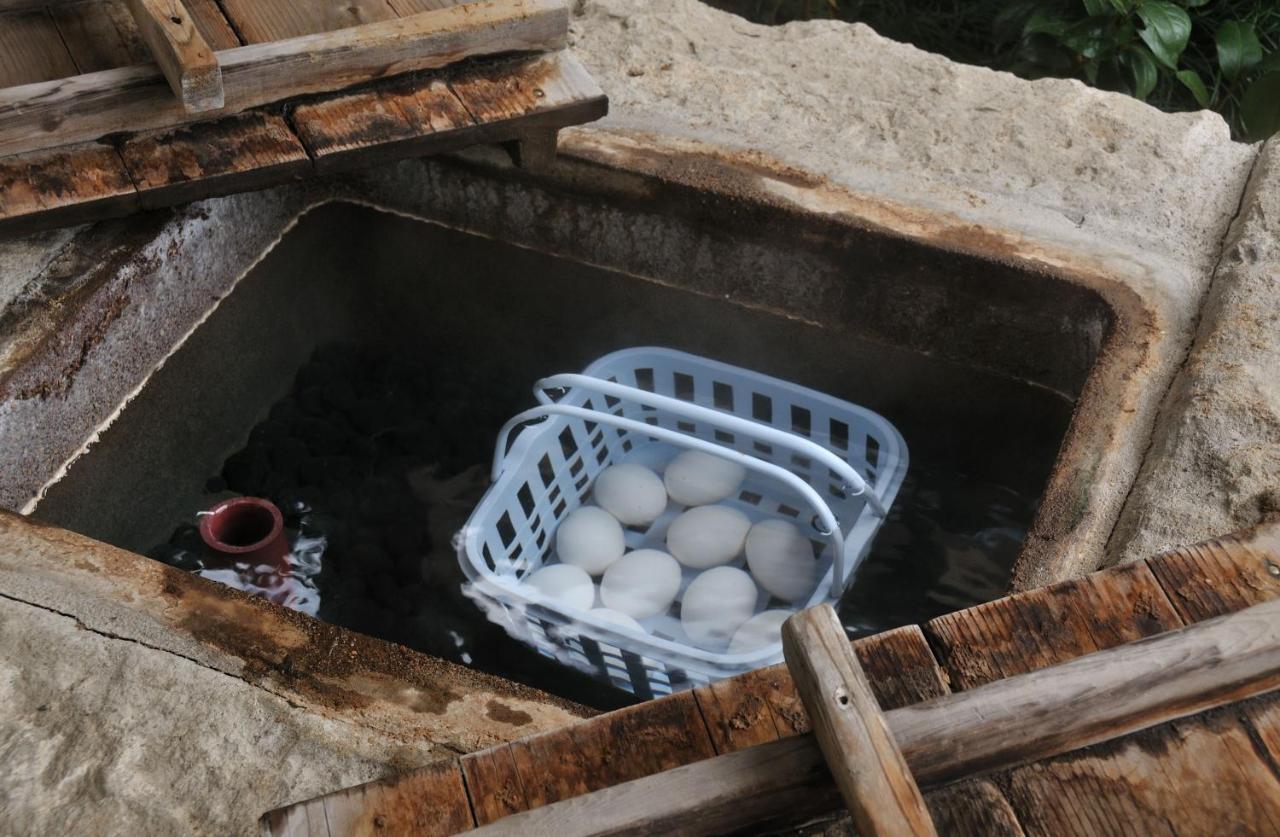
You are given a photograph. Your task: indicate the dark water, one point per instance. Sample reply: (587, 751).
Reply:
(376, 460)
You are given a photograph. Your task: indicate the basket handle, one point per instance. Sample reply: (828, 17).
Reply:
(801, 487)
(857, 486)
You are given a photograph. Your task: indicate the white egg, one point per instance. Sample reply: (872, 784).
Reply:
(760, 631)
(707, 536)
(567, 584)
(781, 559)
(716, 604)
(590, 538)
(632, 493)
(641, 584)
(695, 478)
(604, 614)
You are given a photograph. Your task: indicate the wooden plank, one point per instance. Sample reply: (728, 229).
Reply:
(1262, 716)
(187, 61)
(542, 91)
(64, 186)
(31, 51)
(261, 21)
(973, 807)
(873, 777)
(1044, 627)
(609, 749)
(87, 106)
(101, 34)
(901, 668)
(1222, 575)
(494, 784)
(407, 118)
(1195, 777)
(429, 801)
(410, 7)
(421, 116)
(236, 154)
(1024, 718)
(764, 706)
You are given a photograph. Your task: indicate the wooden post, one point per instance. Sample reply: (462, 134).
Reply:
(535, 149)
(865, 761)
(186, 60)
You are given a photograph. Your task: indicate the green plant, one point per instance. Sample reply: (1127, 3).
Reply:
(1222, 55)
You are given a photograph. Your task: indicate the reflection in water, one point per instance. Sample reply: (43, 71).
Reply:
(377, 459)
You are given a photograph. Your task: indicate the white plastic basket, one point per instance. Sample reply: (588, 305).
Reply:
(831, 467)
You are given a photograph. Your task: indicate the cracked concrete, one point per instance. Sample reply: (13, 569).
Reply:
(119, 715)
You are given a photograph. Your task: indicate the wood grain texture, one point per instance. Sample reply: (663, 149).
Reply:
(1022, 719)
(235, 154)
(973, 807)
(100, 34)
(758, 788)
(429, 801)
(416, 116)
(64, 186)
(261, 21)
(744, 711)
(1222, 575)
(31, 50)
(90, 105)
(873, 777)
(901, 667)
(1044, 627)
(612, 748)
(763, 705)
(493, 781)
(533, 91)
(408, 117)
(187, 61)
(410, 7)
(1195, 777)
(1261, 717)
(1094, 697)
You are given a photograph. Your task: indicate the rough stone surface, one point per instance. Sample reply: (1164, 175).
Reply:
(22, 259)
(1214, 465)
(100, 735)
(1055, 159)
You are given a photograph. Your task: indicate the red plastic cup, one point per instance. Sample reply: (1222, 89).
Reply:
(245, 529)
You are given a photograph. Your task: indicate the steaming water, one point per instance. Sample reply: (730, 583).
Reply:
(376, 461)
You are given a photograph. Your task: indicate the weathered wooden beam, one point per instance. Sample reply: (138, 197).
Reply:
(854, 737)
(1023, 718)
(180, 50)
(85, 107)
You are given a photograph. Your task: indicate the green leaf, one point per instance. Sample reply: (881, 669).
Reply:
(1238, 48)
(1260, 107)
(1096, 7)
(1047, 22)
(1166, 30)
(1121, 6)
(1194, 4)
(1008, 25)
(1191, 79)
(1144, 70)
